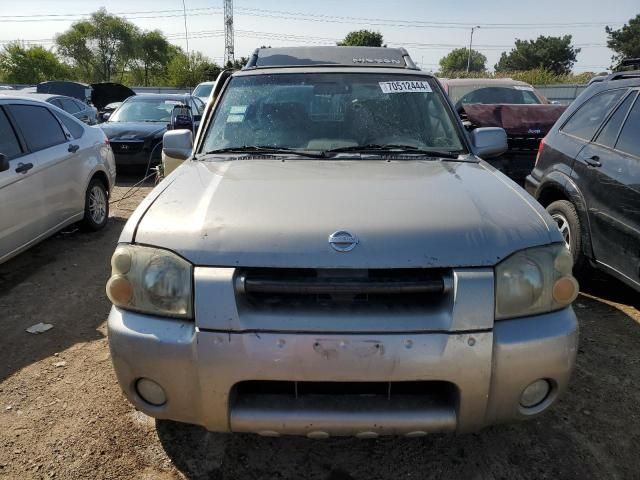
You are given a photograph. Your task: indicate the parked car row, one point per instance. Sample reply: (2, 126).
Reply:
(54, 171)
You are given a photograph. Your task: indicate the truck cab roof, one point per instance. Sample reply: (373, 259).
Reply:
(330, 57)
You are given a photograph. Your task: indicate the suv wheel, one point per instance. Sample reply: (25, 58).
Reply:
(96, 206)
(566, 217)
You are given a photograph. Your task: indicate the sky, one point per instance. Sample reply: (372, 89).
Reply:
(428, 29)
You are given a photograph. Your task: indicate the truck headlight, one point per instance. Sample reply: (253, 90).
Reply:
(533, 281)
(151, 280)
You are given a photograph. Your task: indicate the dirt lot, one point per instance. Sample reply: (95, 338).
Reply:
(62, 414)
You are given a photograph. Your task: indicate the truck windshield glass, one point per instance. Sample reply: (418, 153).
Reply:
(329, 111)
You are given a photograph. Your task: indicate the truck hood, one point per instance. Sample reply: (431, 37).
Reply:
(405, 213)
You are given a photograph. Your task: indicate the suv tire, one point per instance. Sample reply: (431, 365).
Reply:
(564, 214)
(96, 206)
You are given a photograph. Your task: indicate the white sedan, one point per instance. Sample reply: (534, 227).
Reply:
(54, 171)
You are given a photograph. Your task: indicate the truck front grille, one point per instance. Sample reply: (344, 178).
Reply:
(328, 287)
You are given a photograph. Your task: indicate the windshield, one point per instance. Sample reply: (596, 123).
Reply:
(328, 111)
(203, 90)
(514, 95)
(145, 110)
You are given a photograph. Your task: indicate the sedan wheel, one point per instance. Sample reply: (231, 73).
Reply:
(564, 214)
(96, 206)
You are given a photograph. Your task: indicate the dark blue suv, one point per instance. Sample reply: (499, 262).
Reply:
(587, 175)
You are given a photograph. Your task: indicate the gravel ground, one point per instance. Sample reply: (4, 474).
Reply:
(62, 414)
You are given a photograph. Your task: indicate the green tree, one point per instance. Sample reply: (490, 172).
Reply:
(152, 55)
(456, 61)
(99, 46)
(625, 42)
(555, 54)
(186, 71)
(362, 38)
(237, 63)
(21, 64)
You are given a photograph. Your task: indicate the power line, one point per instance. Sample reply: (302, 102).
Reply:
(311, 17)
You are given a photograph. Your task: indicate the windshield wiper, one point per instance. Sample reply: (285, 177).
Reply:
(267, 150)
(392, 148)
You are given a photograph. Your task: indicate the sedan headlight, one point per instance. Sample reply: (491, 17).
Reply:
(534, 281)
(151, 280)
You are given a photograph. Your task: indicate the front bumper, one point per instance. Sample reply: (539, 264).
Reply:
(198, 370)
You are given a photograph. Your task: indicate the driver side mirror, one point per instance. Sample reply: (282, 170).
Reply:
(4, 163)
(489, 142)
(177, 144)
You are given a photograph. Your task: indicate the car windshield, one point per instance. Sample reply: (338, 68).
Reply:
(143, 109)
(203, 90)
(333, 111)
(514, 95)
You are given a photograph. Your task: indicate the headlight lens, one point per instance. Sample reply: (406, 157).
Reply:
(533, 281)
(151, 280)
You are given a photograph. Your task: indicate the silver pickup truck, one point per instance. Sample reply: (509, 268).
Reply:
(334, 258)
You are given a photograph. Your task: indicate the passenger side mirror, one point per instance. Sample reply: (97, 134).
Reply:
(178, 144)
(4, 163)
(105, 116)
(489, 142)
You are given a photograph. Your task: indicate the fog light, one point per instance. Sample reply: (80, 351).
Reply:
(151, 392)
(535, 393)
(119, 290)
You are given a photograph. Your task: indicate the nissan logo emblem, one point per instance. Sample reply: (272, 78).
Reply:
(343, 241)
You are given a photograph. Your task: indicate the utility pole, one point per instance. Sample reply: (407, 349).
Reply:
(186, 32)
(228, 31)
(471, 45)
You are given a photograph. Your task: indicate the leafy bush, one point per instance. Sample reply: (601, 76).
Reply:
(538, 76)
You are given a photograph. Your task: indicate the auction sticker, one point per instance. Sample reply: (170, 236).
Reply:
(405, 86)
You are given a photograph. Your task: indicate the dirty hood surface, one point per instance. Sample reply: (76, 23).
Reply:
(405, 213)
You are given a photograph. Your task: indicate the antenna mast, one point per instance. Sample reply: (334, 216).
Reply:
(228, 31)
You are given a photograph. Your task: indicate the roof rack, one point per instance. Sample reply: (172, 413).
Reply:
(330, 57)
(626, 74)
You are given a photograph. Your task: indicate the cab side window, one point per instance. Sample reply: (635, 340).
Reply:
(584, 123)
(609, 134)
(9, 145)
(38, 126)
(629, 140)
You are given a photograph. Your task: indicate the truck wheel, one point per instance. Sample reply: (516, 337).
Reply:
(96, 206)
(566, 217)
